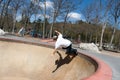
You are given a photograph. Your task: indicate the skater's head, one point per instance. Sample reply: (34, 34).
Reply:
(55, 37)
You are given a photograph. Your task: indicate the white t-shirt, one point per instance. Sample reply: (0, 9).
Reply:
(61, 42)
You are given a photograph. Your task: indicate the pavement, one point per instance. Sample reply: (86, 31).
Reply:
(110, 58)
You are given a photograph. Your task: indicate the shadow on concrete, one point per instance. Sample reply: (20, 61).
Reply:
(61, 61)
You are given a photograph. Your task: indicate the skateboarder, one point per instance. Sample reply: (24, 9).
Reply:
(64, 44)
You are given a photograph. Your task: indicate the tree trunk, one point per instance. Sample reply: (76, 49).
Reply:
(96, 39)
(44, 24)
(86, 35)
(113, 34)
(14, 21)
(101, 38)
(1, 16)
(51, 28)
(90, 38)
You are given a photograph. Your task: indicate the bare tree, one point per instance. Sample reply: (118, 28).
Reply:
(92, 15)
(105, 17)
(27, 11)
(68, 6)
(4, 12)
(115, 12)
(1, 1)
(62, 8)
(88, 12)
(54, 18)
(57, 6)
(43, 11)
(44, 19)
(16, 4)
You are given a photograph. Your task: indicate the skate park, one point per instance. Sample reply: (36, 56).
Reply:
(59, 40)
(22, 58)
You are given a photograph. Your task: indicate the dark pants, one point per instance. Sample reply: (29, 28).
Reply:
(70, 50)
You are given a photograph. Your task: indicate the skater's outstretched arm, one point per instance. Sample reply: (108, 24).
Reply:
(57, 32)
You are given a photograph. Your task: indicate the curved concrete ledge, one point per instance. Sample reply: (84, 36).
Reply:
(103, 71)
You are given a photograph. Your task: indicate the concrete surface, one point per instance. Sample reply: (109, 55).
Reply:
(19, 61)
(110, 59)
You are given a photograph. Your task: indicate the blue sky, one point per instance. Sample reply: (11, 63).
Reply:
(75, 15)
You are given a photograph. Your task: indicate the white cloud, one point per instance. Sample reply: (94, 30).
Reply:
(74, 15)
(49, 4)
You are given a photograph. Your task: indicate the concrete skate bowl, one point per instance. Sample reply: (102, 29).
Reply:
(23, 61)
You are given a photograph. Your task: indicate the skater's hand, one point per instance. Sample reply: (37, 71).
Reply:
(54, 51)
